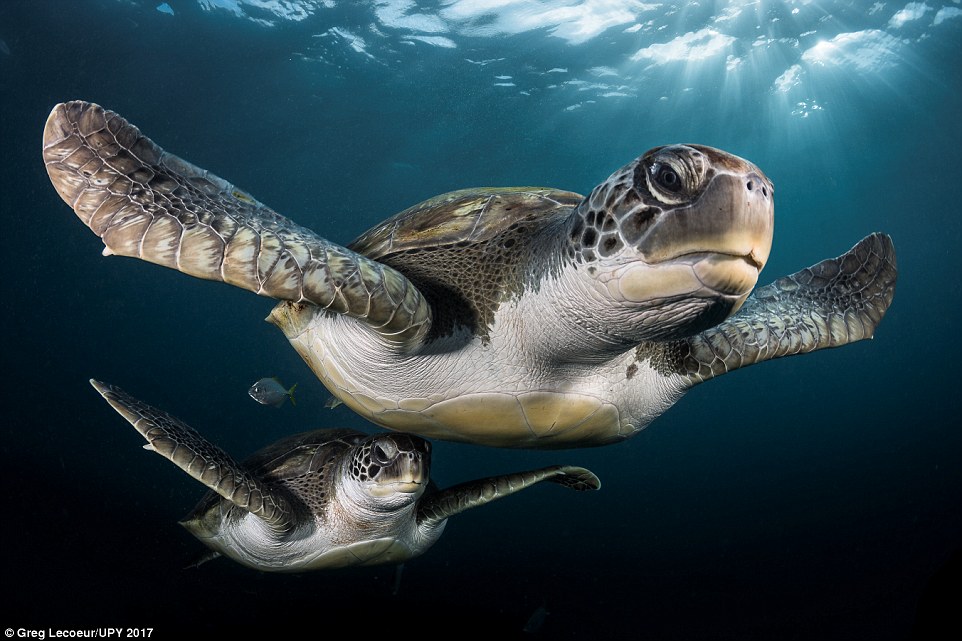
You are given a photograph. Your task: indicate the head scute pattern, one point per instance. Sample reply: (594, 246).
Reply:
(615, 213)
(370, 458)
(385, 457)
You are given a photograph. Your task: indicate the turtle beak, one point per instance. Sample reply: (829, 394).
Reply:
(715, 246)
(407, 487)
(735, 216)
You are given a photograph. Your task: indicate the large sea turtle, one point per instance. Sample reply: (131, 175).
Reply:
(322, 499)
(517, 317)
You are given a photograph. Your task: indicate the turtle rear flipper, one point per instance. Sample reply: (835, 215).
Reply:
(201, 459)
(146, 203)
(201, 560)
(436, 508)
(830, 304)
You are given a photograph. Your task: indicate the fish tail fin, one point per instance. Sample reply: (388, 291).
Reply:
(290, 393)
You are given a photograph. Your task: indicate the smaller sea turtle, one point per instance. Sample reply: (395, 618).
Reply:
(321, 499)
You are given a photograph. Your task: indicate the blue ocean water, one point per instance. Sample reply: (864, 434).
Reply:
(815, 497)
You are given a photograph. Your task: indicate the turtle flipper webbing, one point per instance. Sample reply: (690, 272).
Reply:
(146, 203)
(832, 303)
(453, 500)
(204, 461)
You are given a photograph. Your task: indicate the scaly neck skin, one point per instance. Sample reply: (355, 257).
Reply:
(581, 311)
(253, 542)
(373, 516)
(567, 316)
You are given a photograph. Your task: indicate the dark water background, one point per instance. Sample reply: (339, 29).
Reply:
(813, 498)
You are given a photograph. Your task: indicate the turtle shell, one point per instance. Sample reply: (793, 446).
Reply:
(300, 454)
(299, 462)
(466, 251)
(468, 216)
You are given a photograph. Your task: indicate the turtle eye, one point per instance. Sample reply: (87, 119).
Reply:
(383, 453)
(666, 177)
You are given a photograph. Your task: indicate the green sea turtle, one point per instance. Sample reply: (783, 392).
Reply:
(516, 317)
(323, 499)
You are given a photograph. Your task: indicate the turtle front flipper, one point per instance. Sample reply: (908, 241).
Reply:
(832, 303)
(146, 203)
(438, 507)
(204, 461)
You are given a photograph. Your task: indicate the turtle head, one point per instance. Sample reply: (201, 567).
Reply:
(393, 469)
(675, 240)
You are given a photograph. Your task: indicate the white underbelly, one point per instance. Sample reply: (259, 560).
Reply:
(467, 390)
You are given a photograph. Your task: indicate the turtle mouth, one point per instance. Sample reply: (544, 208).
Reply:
(406, 487)
(752, 259)
(726, 274)
(701, 274)
(391, 488)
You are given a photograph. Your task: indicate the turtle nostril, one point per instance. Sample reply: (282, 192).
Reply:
(754, 180)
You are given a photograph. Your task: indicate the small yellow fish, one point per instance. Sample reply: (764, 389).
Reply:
(269, 391)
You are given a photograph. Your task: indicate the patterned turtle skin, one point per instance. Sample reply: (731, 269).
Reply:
(511, 317)
(324, 499)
